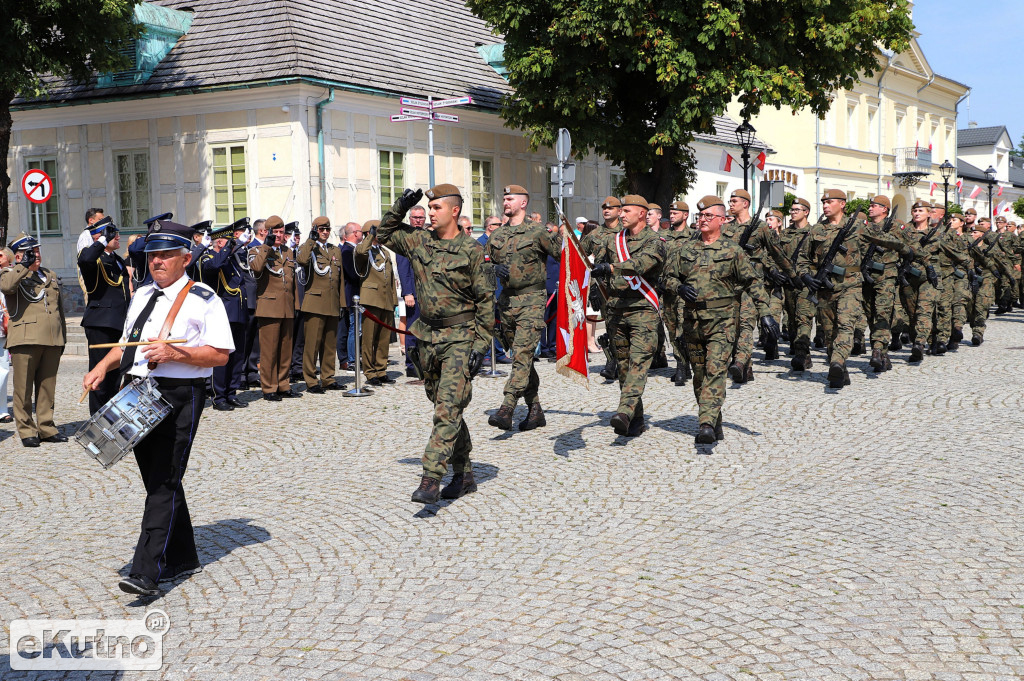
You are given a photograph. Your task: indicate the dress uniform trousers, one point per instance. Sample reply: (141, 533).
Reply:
(96, 335)
(376, 341)
(35, 372)
(275, 353)
(227, 379)
(321, 334)
(166, 539)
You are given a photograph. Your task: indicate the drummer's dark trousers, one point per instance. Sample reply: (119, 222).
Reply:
(166, 542)
(109, 385)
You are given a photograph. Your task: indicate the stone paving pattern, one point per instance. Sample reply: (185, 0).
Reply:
(874, 533)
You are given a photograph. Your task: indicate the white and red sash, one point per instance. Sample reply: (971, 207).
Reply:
(637, 283)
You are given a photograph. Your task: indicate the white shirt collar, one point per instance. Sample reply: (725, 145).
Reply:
(174, 289)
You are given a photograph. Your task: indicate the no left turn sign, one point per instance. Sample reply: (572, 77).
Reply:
(37, 186)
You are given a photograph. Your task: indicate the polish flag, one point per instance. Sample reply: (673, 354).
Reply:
(1000, 192)
(917, 148)
(935, 185)
(761, 158)
(975, 192)
(726, 164)
(960, 186)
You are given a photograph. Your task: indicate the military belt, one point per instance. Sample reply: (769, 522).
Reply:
(713, 304)
(446, 322)
(512, 292)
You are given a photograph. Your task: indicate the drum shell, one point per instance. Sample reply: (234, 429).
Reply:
(117, 426)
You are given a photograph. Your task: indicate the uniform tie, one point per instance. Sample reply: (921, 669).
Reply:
(128, 357)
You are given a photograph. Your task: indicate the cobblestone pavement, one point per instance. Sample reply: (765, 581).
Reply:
(870, 534)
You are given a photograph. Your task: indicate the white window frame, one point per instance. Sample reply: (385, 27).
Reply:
(135, 191)
(233, 214)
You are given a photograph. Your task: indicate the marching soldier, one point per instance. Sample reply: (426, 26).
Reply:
(454, 329)
(798, 305)
(952, 262)
(988, 268)
(378, 295)
(631, 260)
(274, 268)
(518, 251)
(321, 306)
(106, 281)
(1007, 254)
(708, 275)
(963, 277)
(879, 268)
(220, 268)
(611, 209)
(35, 338)
(679, 232)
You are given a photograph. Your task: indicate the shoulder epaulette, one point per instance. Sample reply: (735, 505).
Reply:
(202, 290)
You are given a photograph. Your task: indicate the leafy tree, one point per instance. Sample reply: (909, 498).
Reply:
(1019, 151)
(47, 40)
(953, 208)
(788, 202)
(854, 205)
(635, 80)
(1018, 207)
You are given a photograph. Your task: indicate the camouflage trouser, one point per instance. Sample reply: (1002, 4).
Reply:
(961, 296)
(522, 321)
(670, 311)
(634, 335)
(944, 308)
(840, 310)
(980, 305)
(861, 320)
(803, 315)
(709, 340)
(745, 338)
(776, 303)
(919, 302)
(900, 318)
(449, 387)
(879, 300)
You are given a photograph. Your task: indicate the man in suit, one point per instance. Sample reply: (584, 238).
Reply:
(105, 277)
(377, 294)
(273, 265)
(321, 306)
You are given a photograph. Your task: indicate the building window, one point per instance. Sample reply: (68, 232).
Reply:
(901, 130)
(615, 180)
(873, 130)
(45, 217)
(850, 196)
(720, 188)
(851, 126)
(229, 187)
(132, 188)
(480, 190)
(392, 177)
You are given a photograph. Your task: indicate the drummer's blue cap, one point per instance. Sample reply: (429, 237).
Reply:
(99, 226)
(24, 242)
(165, 235)
(162, 216)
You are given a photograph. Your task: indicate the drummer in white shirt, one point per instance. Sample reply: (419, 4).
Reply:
(166, 547)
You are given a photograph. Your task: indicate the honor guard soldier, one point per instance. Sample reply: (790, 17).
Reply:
(106, 281)
(172, 306)
(137, 254)
(220, 268)
(611, 210)
(678, 232)
(248, 237)
(378, 294)
(36, 337)
(518, 251)
(201, 241)
(321, 306)
(631, 261)
(292, 236)
(708, 275)
(456, 298)
(274, 268)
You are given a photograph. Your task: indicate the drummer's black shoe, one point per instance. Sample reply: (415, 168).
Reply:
(223, 406)
(142, 586)
(177, 571)
(236, 403)
(30, 441)
(54, 438)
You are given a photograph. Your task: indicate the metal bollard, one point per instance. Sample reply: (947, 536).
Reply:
(358, 390)
(493, 373)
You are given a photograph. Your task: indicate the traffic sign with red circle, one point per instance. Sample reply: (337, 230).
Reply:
(37, 186)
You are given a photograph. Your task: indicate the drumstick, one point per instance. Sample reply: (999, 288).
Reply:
(133, 344)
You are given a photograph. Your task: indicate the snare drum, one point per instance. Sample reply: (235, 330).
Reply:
(119, 424)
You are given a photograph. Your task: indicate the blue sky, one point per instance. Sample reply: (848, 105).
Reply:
(960, 42)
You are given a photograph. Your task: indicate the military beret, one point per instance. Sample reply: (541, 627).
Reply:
(861, 217)
(204, 226)
(240, 224)
(611, 202)
(635, 200)
(882, 201)
(162, 216)
(443, 190)
(515, 189)
(775, 214)
(321, 221)
(970, 211)
(1000, 219)
(165, 235)
(803, 202)
(681, 206)
(370, 224)
(274, 222)
(24, 242)
(653, 206)
(985, 219)
(101, 225)
(920, 203)
(740, 194)
(292, 228)
(833, 194)
(709, 201)
(958, 215)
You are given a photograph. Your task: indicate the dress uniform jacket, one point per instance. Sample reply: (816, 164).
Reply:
(377, 293)
(221, 271)
(325, 280)
(275, 281)
(105, 278)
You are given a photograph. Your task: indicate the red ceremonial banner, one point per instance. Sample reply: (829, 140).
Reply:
(574, 286)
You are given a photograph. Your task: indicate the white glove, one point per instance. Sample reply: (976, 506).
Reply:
(103, 240)
(207, 240)
(245, 237)
(291, 241)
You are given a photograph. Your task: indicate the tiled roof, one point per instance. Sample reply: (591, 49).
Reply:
(979, 137)
(725, 134)
(970, 172)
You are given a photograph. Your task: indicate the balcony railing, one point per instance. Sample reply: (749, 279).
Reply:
(913, 160)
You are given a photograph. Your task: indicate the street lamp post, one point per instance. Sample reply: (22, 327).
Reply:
(745, 137)
(946, 169)
(990, 173)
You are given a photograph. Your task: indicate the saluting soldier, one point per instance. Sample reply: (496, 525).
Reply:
(274, 268)
(379, 296)
(293, 235)
(456, 297)
(105, 277)
(679, 231)
(321, 306)
(631, 262)
(880, 287)
(36, 337)
(220, 269)
(137, 254)
(709, 274)
(201, 241)
(518, 251)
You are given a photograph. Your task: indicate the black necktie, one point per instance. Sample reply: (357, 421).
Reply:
(128, 357)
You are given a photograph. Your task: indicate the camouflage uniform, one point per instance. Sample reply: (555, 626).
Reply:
(720, 272)
(990, 269)
(952, 260)
(457, 316)
(675, 240)
(523, 248)
(1006, 287)
(881, 266)
(961, 288)
(798, 306)
(631, 319)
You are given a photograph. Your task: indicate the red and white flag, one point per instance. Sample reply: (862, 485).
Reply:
(960, 186)
(975, 192)
(571, 316)
(761, 158)
(726, 163)
(1000, 192)
(935, 185)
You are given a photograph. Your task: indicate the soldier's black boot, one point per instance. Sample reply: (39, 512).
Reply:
(916, 353)
(799, 362)
(637, 425)
(737, 372)
(976, 339)
(888, 363)
(876, 360)
(706, 435)
(678, 374)
(534, 419)
(461, 485)
(819, 340)
(687, 373)
(611, 368)
(660, 361)
(858, 347)
(938, 347)
(895, 345)
(748, 372)
(620, 424)
(771, 349)
(428, 491)
(836, 375)
(502, 419)
(719, 433)
(905, 338)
